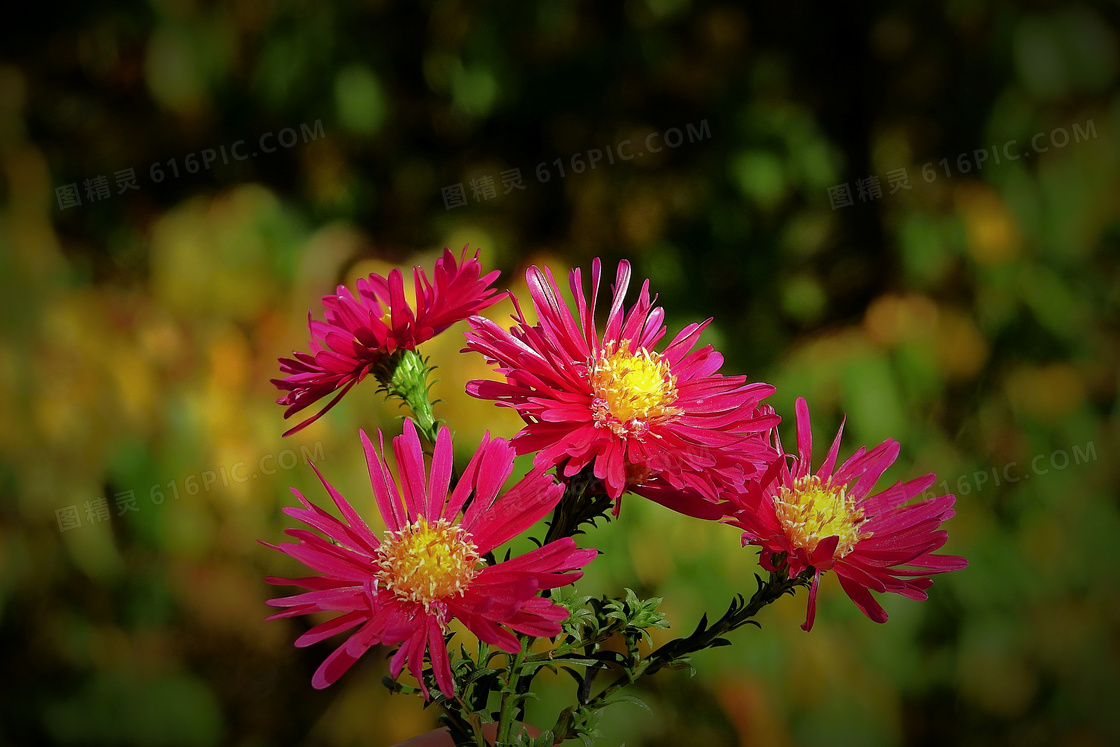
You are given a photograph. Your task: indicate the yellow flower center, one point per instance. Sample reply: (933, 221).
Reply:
(426, 563)
(632, 391)
(813, 511)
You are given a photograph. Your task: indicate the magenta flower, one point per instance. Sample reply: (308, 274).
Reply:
(662, 424)
(830, 521)
(359, 332)
(430, 566)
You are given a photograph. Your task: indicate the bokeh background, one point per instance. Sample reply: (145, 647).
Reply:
(971, 313)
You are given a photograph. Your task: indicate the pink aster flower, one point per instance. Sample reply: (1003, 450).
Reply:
(430, 566)
(663, 424)
(359, 332)
(830, 521)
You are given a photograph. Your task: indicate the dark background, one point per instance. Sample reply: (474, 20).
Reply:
(973, 316)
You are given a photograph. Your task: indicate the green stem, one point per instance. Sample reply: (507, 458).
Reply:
(466, 731)
(405, 375)
(510, 697)
(558, 653)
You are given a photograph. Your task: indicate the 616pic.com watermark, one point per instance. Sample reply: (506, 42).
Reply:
(1013, 472)
(870, 188)
(97, 188)
(484, 188)
(96, 510)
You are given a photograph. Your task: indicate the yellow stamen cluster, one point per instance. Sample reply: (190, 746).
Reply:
(632, 390)
(425, 563)
(813, 511)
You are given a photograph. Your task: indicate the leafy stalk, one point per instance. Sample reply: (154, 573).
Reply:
(677, 653)
(404, 376)
(511, 698)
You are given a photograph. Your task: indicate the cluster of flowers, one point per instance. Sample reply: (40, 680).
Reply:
(616, 407)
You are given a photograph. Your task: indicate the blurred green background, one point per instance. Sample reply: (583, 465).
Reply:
(277, 149)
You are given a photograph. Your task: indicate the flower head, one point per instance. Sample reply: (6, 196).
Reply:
(661, 423)
(430, 565)
(358, 332)
(830, 521)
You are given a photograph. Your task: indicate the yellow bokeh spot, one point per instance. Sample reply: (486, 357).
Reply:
(891, 319)
(992, 232)
(1051, 393)
(961, 348)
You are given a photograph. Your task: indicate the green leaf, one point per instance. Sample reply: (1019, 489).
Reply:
(478, 674)
(629, 699)
(561, 660)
